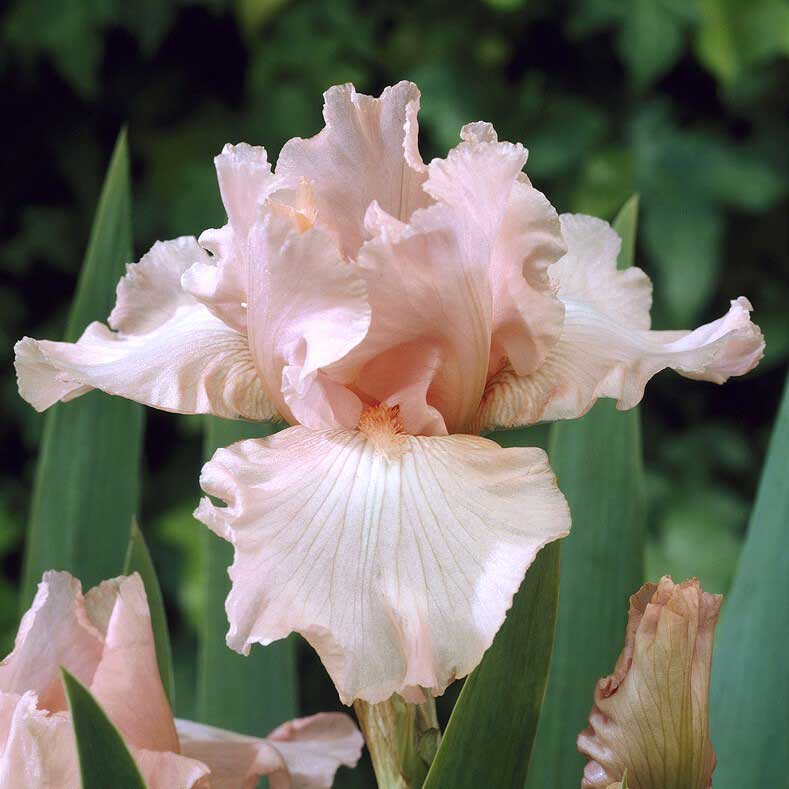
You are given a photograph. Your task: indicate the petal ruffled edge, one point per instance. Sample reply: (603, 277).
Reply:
(606, 348)
(176, 355)
(366, 152)
(302, 754)
(395, 556)
(308, 310)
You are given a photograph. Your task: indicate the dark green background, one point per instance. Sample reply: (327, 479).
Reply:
(682, 101)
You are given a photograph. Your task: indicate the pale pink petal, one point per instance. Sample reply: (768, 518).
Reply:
(461, 277)
(606, 348)
(308, 308)
(37, 748)
(220, 282)
(302, 754)
(527, 315)
(428, 312)
(170, 351)
(236, 761)
(163, 770)
(56, 631)
(314, 747)
(127, 682)
(365, 153)
(245, 181)
(395, 556)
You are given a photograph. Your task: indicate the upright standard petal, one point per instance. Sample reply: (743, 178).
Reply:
(527, 314)
(169, 350)
(606, 348)
(462, 278)
(395, 556)
(302, 754)
(308, 309)
(650, 718)
(126, 681)
(56, 631)
(245, 182)
(367, 152)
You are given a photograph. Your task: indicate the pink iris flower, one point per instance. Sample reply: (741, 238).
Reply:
(390, 311)
(104, 638)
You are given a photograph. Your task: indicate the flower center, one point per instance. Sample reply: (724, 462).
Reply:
(381, 425)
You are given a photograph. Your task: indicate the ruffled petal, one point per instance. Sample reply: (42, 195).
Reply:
(127, 682)
(170, 352)
(163, 770)
(302, 754)
(527, 314)
(314, 747)
(308, 308)
(245, 181)
(606, 348)
(462, 278)
(395, 556)
(37, 748)
(366, 152)
(235, 760)
(56, 631)
(434, 316)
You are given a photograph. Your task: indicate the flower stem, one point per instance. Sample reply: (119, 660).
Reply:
(402, 739)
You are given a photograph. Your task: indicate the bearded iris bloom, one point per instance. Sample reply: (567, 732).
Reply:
(388, 310)
(105, 639)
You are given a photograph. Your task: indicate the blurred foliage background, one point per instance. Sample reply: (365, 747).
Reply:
(684, 101)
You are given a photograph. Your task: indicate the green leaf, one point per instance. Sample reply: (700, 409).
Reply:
(598, 462)
(251, 694)
(138, 559)
(651, 38)
(490, 733)
(104, 759)
(87, 479)
(625, 224)
(750, 694)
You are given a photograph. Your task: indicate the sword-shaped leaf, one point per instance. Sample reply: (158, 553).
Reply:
(87, 479)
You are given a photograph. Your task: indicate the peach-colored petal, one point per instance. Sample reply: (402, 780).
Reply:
(56, 631)
(245, 181)
(37, 749)
(105, 639)
(463, 276)
(651, 716)
(606, 348)
(165, 770)
(308, 308)
(438, 316)
(302, 754)
(169, 352)
(126, 682)
(527, 315)
(314, 747)
(366, 152)
(395, 556)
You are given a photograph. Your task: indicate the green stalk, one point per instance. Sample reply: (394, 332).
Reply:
(402, 739)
